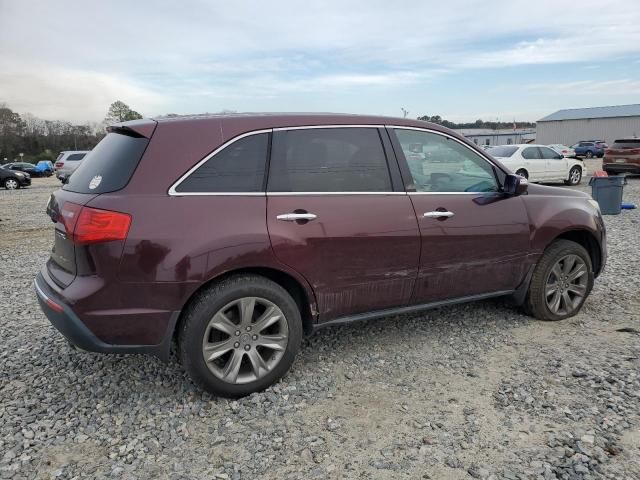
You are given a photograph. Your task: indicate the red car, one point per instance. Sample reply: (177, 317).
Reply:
(234, 235)
(623, 157)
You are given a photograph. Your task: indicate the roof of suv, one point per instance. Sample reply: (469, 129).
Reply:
(233, 124)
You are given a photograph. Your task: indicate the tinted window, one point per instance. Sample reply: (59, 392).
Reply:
(328, 160)
(440, 164)
(239, 167)
(76, 156)
(502, 151)
(109, 166)
(549, 154)
(626, 143)
(531, 153)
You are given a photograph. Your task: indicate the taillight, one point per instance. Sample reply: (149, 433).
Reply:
(85, 225)
(59, 164)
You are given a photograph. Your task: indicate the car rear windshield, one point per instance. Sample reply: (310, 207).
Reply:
(626, 143)
(502, 151)
(109, 166)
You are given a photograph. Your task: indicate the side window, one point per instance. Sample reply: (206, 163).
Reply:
(531, 153)
(328, 160)
(440, 164)
(239, 167)
(549, 154)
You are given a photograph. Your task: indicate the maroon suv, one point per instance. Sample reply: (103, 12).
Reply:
(235, 235)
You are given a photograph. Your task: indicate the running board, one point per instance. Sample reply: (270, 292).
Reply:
(409, 309)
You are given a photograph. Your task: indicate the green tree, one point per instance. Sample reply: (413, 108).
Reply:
(120, 112)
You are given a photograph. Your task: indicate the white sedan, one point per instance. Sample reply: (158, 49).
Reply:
(564, 150)
(539, 163)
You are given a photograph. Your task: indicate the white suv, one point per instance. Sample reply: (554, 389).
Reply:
(67, 162)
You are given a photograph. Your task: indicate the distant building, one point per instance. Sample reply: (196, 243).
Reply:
(569, 126)
(486, 136)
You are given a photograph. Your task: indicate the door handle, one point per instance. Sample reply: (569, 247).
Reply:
(438, 214)
(293, 217)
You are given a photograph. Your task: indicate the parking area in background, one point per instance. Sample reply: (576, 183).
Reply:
(472, 391)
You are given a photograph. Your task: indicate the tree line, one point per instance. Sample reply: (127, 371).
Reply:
(38, 139)
(477, 124)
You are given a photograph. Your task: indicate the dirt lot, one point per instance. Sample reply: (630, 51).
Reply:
(474, 391)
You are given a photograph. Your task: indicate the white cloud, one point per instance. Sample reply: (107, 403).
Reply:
(587, 87)
(71, 94)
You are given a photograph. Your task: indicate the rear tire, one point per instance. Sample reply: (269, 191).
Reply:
(561, 282)
(248, 327)
(523, 173)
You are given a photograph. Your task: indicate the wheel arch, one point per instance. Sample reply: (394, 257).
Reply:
(303, 296)
(589, 241)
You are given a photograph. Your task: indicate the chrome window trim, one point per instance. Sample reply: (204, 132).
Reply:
(298, 194)
(172, 189)
(173, 193)
(309, 127)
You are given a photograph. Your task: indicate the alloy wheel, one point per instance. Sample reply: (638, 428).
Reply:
(566, 285)
(245, 340)
(575, 176)
(11, 184)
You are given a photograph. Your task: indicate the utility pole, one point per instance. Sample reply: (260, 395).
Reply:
(404, 112)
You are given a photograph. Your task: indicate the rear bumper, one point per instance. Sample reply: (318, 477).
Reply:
(621, 168)
(76, 332)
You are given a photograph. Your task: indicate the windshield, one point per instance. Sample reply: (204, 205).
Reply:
(502, 151)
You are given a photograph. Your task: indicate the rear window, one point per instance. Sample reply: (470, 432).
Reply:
(502, 151)
(109, 166)
(626, 143)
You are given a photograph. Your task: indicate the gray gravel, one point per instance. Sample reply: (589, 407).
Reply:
(474, 391)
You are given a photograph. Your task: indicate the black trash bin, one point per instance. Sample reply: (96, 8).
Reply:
(607, 191)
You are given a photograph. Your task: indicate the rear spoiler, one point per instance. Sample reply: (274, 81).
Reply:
(134, 128)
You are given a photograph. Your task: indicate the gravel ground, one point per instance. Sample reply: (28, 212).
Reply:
(474, 391)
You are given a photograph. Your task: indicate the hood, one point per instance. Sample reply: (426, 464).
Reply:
(535, 189)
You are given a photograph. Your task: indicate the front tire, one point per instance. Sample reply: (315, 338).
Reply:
(523, 173)
(575, 176)
(589, 154)
(561, 282)
(240, 336)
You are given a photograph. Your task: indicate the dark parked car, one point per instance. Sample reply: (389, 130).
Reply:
(235, 235)
(623, 156)
(590, 148)
(12, 179)
(25, 167)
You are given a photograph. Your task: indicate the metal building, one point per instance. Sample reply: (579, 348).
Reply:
(569, 126)
(486, 136)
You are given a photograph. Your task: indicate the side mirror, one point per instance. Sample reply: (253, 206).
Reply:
(515, 185)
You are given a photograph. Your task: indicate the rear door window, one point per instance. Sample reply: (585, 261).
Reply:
(109, 166)
(240, 167)
(329, 160)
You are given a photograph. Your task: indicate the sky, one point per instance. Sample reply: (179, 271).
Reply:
(460, 59)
